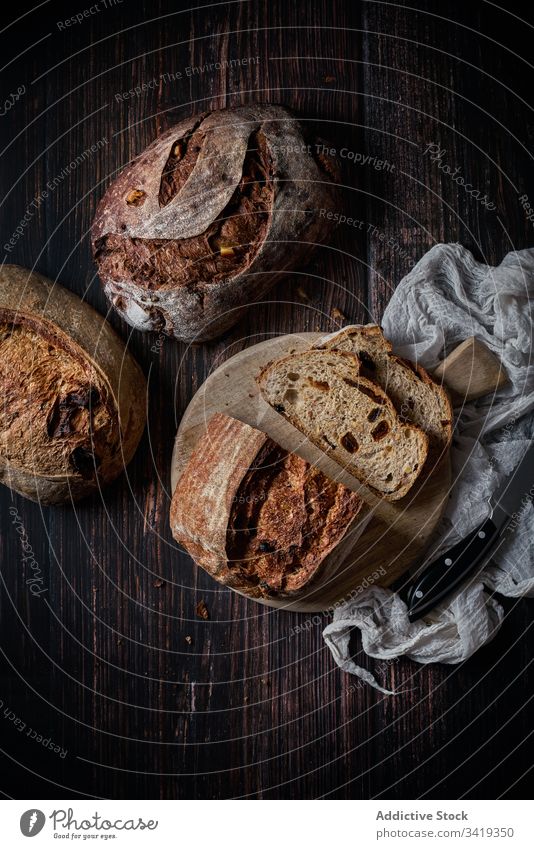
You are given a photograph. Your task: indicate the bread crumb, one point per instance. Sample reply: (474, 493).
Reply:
(189, 640)
(158, 583)
(202, 610)
(302, 294)
(337, 315)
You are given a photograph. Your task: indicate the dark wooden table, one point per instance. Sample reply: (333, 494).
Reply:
(101, 663)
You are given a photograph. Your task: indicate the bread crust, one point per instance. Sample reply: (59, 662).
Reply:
(74, 398)
(202, 309)
(206, 503)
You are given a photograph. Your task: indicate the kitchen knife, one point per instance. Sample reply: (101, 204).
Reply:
(443, 575)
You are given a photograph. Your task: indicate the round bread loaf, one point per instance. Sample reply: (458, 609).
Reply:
(209, 217)
(72, 397)
(259, 519)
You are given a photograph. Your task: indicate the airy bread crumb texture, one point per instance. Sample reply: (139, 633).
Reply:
(415, 396)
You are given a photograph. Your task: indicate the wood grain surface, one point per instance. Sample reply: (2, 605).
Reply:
(113, 664)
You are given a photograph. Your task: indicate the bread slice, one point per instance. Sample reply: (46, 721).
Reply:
(257, 518)
(324, 395)
(416, 397)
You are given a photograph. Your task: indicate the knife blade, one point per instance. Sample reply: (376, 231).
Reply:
(445, 573)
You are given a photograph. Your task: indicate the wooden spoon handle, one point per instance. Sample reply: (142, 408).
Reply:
(471, 371)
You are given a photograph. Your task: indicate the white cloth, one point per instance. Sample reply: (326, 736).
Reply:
(446, 298)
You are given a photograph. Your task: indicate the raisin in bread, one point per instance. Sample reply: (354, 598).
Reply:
(416, 397)
(324, 395)
(257, 518)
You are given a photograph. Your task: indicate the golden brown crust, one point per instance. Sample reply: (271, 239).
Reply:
(202, 500)
(73, 399)
(257, 518)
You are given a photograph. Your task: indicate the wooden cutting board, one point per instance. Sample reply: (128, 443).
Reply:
(397, 534)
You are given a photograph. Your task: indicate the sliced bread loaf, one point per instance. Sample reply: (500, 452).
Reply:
(324, 395)
(257, 518)
(416, 397)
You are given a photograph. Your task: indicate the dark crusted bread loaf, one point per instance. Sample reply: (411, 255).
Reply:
(72, 398)
(324, 395)
(416, 397)
(209, 217)
(257, 518)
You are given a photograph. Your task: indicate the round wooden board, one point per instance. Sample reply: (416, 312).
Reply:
(396, 535)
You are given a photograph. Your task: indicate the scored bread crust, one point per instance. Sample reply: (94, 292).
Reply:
(238, 473)
(73, 396)
(333, 394)
(415, 395)
(159, 206)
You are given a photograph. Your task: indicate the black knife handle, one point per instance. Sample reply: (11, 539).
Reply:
(444, 574)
